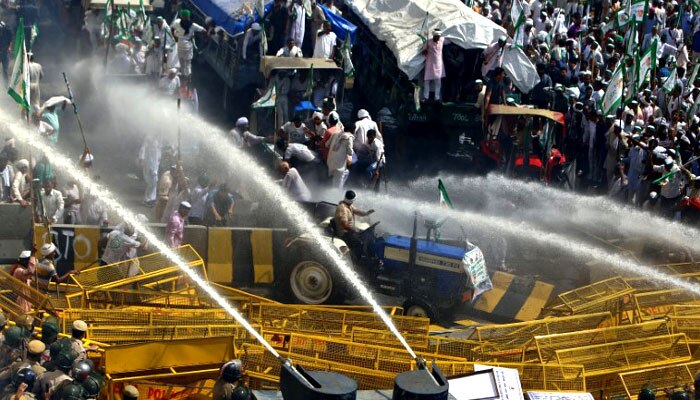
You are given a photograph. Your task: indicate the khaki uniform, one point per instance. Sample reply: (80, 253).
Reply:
(77, 346)
(223, 390)
(49, 382)
(9, 392)
(343, 215)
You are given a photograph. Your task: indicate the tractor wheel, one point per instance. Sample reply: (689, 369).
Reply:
(311, 281)
(419, 308)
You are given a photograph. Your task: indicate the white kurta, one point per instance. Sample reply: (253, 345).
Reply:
(297, 26)
(324, 45)
(149, 156)
(295, 185)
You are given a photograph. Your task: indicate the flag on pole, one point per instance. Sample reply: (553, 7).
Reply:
(423, 30)
(268, 100)
(517, 16)
(613, 94)
(346, 54)
(638, 9)
(19, 82)
(671, 81)
(142, 9)
(694, 109)
(694, 75)
(263, 41)
(695, 4)
(646, 63)
(444, 198)
(632, 40)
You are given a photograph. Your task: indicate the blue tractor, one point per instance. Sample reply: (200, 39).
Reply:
(433, 276)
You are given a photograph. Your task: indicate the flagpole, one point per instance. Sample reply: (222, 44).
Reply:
(179, 131)
(111, 33)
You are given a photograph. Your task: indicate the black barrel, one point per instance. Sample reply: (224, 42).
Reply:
(294, 385)
(421, 384)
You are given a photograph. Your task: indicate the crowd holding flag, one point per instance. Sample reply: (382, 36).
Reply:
(613, 95)
(19, 81)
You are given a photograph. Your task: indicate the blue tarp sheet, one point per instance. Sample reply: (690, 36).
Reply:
(223, 12)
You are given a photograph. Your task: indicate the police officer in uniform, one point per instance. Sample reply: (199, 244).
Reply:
(231, 384)
(76, 339)
(51, 380)
(21, 387)
(11, 350)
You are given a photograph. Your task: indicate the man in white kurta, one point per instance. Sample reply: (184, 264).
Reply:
(434, 67)
(184, 30)
(162, 30)
(149, 159)
(297, 23)
(325, 42)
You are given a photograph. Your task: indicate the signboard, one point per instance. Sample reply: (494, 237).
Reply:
(480, 385)
(150, 390)
(559, 396)
(507, 380)
(475, 267)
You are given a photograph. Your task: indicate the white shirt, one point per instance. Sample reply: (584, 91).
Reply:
(324, 45)
(92, 211)
(294, 134)
(185, 41)
(198, 199)
(361, 128)
(169, 86)
(672, 188)
(340, 148)
(286, 52)
(72, 193)
(119, 247)
(300, 152)
(53, 205)
(295, 185)
(376, 150)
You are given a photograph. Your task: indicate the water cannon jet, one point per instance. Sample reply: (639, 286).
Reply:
(421, 384)
(298, 384)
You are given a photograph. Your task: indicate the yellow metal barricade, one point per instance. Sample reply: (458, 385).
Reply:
(261, 363)
(523, 332)
(616, 357)
(689, 325)
(548, 345)
(608, 295)
(659, 378)
(380, 358)
(330, 321)
(659, 303)
(686, 309)
(11, 290)
(155, 390)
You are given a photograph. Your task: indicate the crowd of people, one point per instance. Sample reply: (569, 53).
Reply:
(47, 364)
(633, 134)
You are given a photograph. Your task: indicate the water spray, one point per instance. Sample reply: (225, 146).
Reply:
(243, 161)
(64, 164)
(506, 226)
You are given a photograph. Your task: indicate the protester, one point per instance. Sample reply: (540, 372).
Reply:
(220, 206)
(293, 182)
(175, 228)
(325, 42)
(184, 30)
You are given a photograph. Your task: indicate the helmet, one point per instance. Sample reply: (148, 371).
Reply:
(91, 387)
(64, 360)
(13, 336)
(681, 395)
(81, 370)
(232, 371)
(72, 391)
(24, 375)
(241, 393)
(647, 394)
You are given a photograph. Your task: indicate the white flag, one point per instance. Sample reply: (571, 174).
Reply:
(671, 81)
(268, 100)
(638, 8)
(613, 94)
(646, 63)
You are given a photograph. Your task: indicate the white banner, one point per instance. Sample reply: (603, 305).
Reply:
(507, 380)
(559, 396)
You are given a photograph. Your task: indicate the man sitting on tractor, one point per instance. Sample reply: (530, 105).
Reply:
(344, 221)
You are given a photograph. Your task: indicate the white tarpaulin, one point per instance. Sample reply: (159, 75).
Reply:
(399, 22)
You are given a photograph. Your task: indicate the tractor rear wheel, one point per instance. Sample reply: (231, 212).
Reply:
(311, 281)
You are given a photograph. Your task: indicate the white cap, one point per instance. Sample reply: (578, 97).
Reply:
(317, 114)
(437, 32)
(186, 204)
(80, 325)
(255, 26)
(23, 163)
(362, 113)
(47, 249)
(25, 254)
(242, 121)
(172, 71)
(88, 158)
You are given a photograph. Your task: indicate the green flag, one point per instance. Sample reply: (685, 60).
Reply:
(142, 9)
(444, 198)
(19, 82)
(422, 31)
(517, 17)
(613, 94)
(268, 100)
(671, 81)
(307, 8)
(646, 63)
(694, 75)
(263, 41)
(638, 9)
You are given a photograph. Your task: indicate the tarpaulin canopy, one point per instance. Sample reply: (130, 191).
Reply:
(399, 22)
